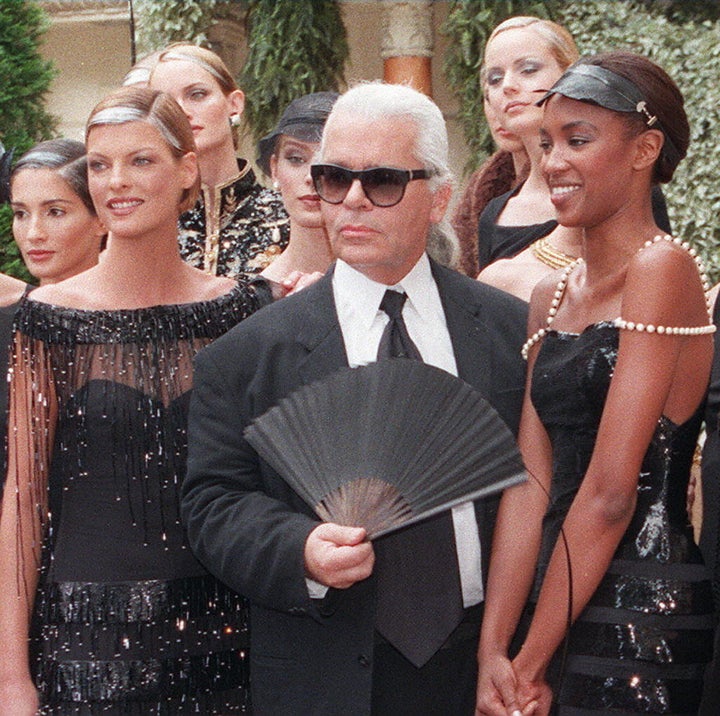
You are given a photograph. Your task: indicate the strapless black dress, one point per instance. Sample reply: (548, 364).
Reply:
(643, 640)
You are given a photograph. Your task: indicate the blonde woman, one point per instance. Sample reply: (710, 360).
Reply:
(237, 226)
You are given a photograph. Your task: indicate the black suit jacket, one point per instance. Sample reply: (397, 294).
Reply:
(249, 528)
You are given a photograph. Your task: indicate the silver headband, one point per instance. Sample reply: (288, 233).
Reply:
(179, 55)
(121, 115)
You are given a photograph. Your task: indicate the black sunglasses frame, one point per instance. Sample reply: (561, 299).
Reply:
(401, 178)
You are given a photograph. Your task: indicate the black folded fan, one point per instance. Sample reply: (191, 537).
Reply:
(387, 444)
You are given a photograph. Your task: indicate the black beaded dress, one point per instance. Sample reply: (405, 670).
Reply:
(126, 619)
(642, 642)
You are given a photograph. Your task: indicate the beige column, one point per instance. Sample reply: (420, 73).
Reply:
(407, 43)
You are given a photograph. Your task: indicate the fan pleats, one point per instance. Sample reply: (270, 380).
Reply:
(387, 444)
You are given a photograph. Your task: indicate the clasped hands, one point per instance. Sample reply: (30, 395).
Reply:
(338, 556)
(506, 688)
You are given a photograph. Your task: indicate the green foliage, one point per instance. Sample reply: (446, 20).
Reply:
(683, 10)
(468, 25)
(26, 79)
(160, 22)
(690, 52)
(296, 47)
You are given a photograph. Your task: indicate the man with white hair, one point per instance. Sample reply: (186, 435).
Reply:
(341, 625)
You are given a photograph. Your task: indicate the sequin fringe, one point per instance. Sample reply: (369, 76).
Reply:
(195, 685)
(126, 621)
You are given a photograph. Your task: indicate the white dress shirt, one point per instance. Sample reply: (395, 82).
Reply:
(357, 300)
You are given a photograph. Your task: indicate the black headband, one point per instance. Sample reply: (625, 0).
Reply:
(597, 85)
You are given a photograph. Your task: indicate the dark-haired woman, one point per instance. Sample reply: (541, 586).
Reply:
(55, 227)
(285, 154)
(619, 353)
(103, 607)
(55, 224)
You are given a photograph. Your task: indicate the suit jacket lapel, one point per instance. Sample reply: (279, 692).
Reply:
(322, 338)
(320, 334)
(466, 326)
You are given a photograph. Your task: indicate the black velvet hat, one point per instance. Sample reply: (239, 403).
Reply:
(304, 119)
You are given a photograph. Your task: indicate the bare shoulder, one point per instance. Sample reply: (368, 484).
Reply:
(203, 287)
(542, 297)
(666, 260)
(666, 277)
(545, 288)
(11, 289)
(71, 293)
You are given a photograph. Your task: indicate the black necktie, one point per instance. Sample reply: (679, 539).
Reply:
(419, 594)
(395, 341)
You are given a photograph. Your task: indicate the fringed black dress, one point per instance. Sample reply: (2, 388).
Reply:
(642, 642)
(126, 620)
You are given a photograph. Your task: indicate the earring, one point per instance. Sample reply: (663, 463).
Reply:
(276, 184)
(234, 120)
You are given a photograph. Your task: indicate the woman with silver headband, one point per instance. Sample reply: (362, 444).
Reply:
(103, 608)
(619, 353)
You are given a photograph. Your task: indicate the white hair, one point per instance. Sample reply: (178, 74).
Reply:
(377, 101)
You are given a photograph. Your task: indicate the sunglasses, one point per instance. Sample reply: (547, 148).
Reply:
(383, 186)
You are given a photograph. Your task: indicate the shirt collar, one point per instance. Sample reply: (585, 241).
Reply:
(361, 296)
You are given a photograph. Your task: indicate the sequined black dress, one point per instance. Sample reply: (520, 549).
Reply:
(235, 229)
(126, 620)
(641, 644)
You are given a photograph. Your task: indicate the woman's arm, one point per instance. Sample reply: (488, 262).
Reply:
(655, 374)
(515, 550)
(22, 518)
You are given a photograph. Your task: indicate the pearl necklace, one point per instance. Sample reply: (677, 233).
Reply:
(555, 303)
(621, 322)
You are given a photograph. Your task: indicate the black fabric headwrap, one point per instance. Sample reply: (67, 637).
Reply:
(597, 85)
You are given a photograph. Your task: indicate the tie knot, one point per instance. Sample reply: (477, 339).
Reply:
(392, 303)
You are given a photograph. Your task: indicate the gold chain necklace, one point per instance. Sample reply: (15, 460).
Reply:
(546, 253)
